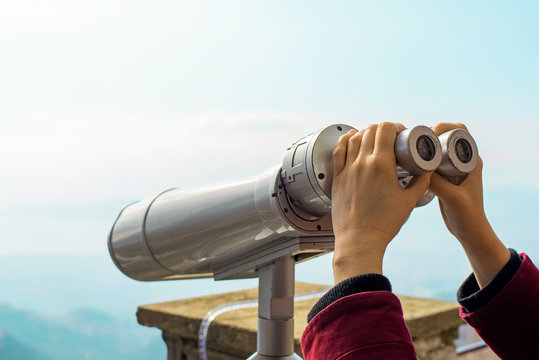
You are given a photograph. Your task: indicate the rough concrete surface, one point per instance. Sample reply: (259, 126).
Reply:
(433, 324)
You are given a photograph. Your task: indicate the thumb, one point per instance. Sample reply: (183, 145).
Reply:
(420, 184)
(441, 187)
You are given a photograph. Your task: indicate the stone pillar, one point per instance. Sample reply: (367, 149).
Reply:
(174, 345)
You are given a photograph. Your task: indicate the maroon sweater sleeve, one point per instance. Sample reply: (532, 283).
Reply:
(509, 322)
(368, 326)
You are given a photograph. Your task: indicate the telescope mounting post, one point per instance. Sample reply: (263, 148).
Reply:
(275, 337)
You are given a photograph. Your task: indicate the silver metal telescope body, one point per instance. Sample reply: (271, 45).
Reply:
(227, 230)
(259, 226)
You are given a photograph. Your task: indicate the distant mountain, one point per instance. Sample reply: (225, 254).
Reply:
(84, 334)
(12, 349)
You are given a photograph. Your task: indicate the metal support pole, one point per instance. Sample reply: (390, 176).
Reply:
(275, 338)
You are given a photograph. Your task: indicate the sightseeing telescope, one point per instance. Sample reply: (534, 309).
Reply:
(219, 231)
(263, 225)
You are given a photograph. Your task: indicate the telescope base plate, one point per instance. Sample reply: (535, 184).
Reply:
(257, 356)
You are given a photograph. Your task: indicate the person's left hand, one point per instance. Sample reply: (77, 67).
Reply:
(369, 206)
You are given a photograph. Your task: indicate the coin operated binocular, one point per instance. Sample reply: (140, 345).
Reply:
(263, 225)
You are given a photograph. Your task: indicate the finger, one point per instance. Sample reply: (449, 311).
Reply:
(445, 127)
(400, 127)
(340, 151)
(367, 142)
(419, 185)
(354, 144)
(441, 187)
(385, 138)
(475, 175)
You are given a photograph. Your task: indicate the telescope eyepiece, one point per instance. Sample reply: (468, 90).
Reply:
(459, 153)
(426, 148)
(464, 150)
(417, 151)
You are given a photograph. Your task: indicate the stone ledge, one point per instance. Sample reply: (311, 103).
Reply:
(433, 323)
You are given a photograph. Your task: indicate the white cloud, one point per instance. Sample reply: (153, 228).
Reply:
(76, 160)
(509, 151)
(84, 159)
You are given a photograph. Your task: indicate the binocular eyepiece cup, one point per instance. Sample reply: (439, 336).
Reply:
(459, 156)
(459, 153)
(418, 150)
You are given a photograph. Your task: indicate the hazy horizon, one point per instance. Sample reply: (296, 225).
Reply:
(423, 260)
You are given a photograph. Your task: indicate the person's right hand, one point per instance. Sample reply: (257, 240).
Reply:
(464, 215)
(461, 205)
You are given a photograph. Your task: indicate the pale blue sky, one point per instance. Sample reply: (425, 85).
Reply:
(106, 102)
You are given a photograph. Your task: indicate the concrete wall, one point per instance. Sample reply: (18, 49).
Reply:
(433, 325)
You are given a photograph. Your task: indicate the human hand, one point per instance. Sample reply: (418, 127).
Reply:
(369, 206)
(461, 205)
(464, 215)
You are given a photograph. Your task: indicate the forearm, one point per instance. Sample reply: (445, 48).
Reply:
(486, 253)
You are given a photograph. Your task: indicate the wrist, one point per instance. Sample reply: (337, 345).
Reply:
(487, 255)
(356, 258)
